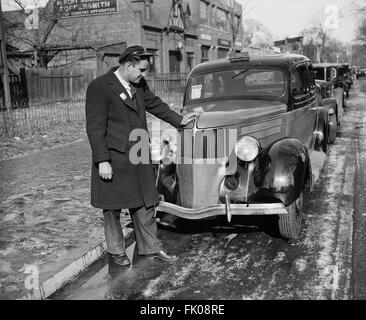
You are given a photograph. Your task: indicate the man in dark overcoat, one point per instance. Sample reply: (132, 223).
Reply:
(115, 106)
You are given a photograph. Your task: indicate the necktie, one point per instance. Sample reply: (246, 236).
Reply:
(133, 91)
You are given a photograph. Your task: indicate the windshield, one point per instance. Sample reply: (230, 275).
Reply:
(253, 83)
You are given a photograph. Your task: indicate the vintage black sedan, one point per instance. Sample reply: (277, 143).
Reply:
(331, 73)
(324, 100)
(344, 79)
(258, 142)
(361, 73)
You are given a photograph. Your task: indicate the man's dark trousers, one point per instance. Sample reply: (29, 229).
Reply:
(144, 225)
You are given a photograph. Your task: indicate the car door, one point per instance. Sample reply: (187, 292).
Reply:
(303, 102)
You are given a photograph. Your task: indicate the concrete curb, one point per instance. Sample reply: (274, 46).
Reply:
(70, 272)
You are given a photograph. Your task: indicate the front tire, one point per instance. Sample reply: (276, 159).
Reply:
(332, 128)
(290, 224)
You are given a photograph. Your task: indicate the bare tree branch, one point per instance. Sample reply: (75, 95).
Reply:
(249, 5)
(16, 4)
(36, 39)
(20, 4)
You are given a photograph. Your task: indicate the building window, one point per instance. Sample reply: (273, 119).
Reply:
(174, 61)
(213, 15)
(237, 24)
(204, 12)
(175, 11)
(221, 22)
(188, 14)
(190, 61)
(152, 60)
(204, 53)
(147, 9)
(222, 53)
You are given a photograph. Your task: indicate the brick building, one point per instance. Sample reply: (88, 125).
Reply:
(219, 28)
(291, 45)
(179, 33)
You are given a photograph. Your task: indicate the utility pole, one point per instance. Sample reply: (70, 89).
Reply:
(4, 62)
(32, 23)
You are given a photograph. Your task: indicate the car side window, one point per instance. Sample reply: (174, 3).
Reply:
(331, 73)
(318, 95)
(208, 86)
(311, 79)
(299, 84)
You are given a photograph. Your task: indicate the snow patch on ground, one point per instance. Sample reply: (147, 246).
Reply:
(230, 237)
(301, 264)
(153, 285)
(330, 232)
(279, 257)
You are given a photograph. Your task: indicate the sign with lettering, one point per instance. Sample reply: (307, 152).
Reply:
(206, 37)
(77, 8)
(223, 42)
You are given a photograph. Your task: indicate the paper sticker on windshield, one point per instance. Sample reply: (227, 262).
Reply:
(196, 91)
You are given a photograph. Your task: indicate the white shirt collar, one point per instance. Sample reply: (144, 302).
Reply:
(124, 83)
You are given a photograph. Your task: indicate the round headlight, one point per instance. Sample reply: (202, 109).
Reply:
(247, 148)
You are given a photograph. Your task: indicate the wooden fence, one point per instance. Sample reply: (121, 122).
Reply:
(18, 90)
(44, 117)
(45, 85)
(57, 98)
(163, 83)
(39, 118)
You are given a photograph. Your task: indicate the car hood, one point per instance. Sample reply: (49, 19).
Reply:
(231, 112)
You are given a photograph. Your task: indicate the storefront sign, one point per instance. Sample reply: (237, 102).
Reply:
(151, 36)
(77, 8)
(206, 37)
(224, 43)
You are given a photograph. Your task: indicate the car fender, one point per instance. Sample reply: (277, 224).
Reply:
(321, 130)
(282, 170)
(330, 104)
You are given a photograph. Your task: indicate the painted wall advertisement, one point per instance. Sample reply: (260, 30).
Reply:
(77, 8)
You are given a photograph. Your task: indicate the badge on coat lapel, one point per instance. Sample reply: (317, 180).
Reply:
(123, 96)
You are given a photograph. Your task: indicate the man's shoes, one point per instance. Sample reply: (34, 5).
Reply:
(121, 259)
(161, 255)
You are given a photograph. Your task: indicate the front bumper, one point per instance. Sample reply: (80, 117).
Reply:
(226, 209)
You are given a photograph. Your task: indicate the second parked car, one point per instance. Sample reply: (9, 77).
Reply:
(361, 73)
(324, 100)
(330, 73)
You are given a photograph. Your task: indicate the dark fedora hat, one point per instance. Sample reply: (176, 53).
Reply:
(134, 51)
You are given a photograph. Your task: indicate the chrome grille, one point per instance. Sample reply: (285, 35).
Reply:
(203, 144)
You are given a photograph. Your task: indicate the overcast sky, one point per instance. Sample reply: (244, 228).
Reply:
(10, 4)
(287, 18)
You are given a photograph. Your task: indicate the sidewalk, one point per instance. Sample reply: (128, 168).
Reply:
(46, 220)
